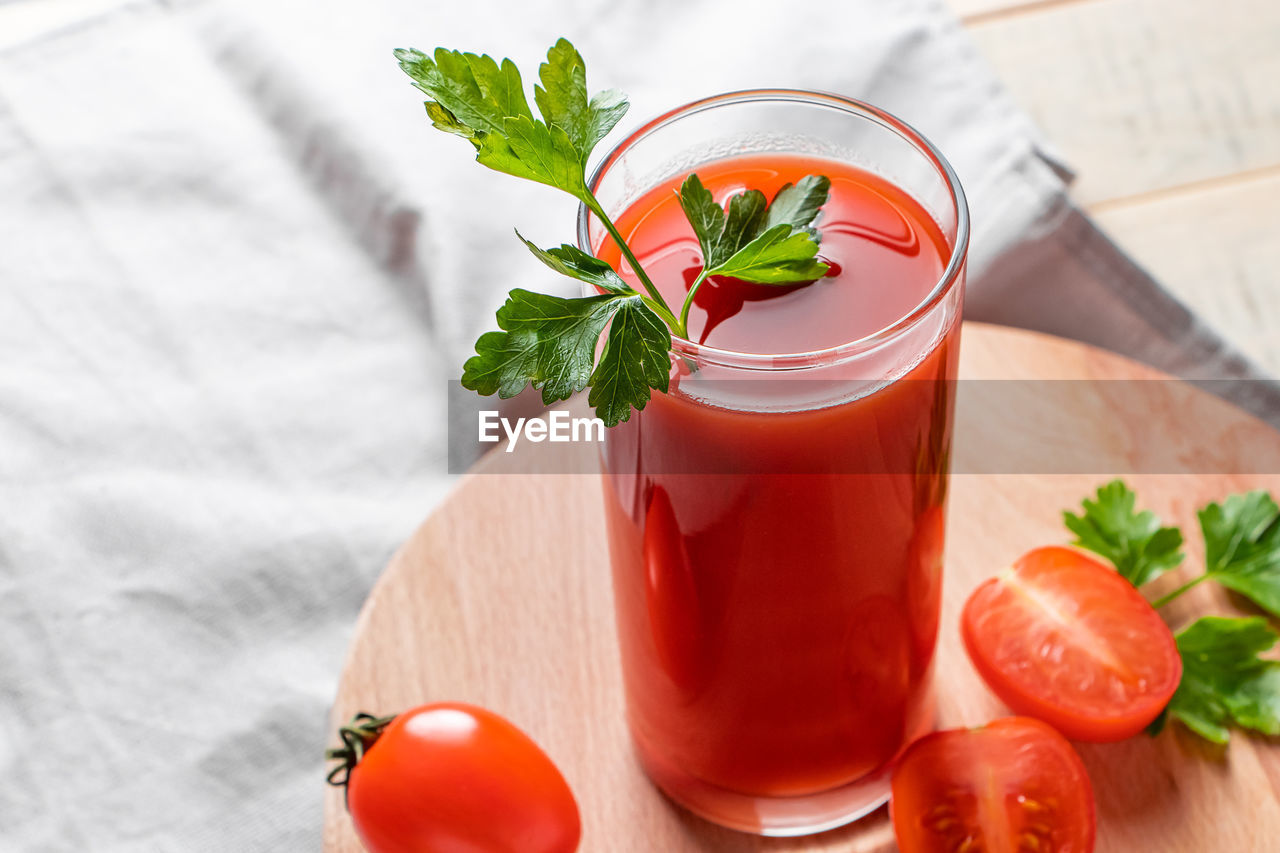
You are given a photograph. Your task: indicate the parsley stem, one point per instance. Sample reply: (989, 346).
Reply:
(1177, 592)
(683, 331)
(657, 302)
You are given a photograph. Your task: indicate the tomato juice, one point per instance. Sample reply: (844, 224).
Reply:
(777, 549)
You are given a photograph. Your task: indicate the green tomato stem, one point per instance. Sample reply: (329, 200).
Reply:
(1177, 592)
(357, 737)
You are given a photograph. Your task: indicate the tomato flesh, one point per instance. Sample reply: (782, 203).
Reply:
(455, 778)
(1067, 640)
(1012, 786)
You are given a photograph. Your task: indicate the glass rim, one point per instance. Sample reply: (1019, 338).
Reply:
(951, 273)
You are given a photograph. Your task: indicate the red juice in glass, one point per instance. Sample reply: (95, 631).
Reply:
(776, 520)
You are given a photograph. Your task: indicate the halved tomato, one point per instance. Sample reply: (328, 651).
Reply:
(1065, 639)
(1013, 785)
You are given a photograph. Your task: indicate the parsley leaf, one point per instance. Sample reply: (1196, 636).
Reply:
(780, 255)
(799, 205)
(635, 359)
(551, 342)
(529, 149)
(575, 263)
(1224, 682)
(562, 99)
(706, 217)
(1242, 546)
(471, 92)
(1135, 542)
(753, 239)
(547, 341)
(476, 98)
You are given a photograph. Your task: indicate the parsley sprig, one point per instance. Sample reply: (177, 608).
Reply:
(1242, 547)
(755, 240)
(1135, 542)
(551, 342)
(1225, 681)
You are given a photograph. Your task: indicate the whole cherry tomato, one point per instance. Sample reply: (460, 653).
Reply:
(1065, 639)
(1012, 785)
(450, 777)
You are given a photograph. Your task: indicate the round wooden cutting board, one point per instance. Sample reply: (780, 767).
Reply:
(502, 598)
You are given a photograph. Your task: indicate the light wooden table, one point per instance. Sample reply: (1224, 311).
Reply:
(1167, 109)
(1170, 113)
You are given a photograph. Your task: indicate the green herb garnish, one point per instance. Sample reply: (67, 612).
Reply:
(1140, 548)
(550, 342)
(1224, 681)
(753, 239)
(1242, 547)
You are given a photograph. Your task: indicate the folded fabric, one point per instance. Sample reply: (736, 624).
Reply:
(218, 419)
(240, 268)
(322, 73)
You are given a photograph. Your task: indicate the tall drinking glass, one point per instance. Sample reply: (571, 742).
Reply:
(775, 521)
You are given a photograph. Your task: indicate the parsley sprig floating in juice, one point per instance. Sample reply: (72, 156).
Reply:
(1225, 680)
(550, 342)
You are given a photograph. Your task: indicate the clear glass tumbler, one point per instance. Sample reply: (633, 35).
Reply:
(776, 521)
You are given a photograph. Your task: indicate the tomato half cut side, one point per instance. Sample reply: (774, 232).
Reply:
(1065, 639)
(1012, 786)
